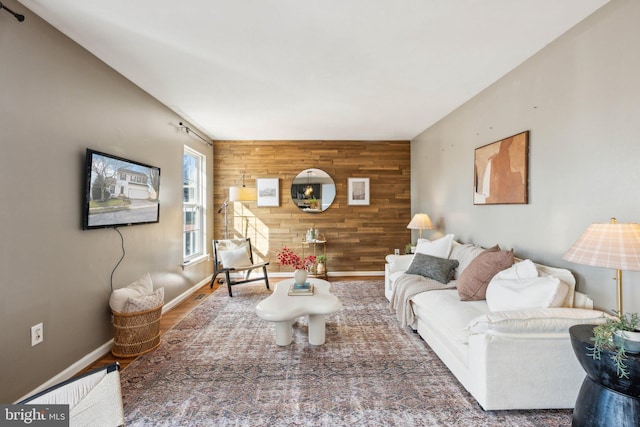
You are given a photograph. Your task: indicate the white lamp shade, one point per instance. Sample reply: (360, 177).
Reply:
(242, 194)
(611, 245)
(420, 221)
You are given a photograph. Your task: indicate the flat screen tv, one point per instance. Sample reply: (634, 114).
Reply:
(119, 192)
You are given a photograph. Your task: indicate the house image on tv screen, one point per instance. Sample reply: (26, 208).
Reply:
(132, 185)
(121, 192)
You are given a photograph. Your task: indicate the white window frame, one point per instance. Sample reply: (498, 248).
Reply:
(196, 251)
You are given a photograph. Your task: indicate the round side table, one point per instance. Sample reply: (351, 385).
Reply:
(604, 398)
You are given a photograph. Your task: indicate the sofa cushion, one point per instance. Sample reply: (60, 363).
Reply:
(440, 248)
(431, 267)
(473, 281)
(534, 321)
(518, 294)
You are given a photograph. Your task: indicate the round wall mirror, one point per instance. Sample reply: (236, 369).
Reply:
(313, 190)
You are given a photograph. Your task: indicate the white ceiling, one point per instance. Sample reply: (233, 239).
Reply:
(313, 69)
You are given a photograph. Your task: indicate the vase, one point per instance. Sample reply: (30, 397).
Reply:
(300, 276)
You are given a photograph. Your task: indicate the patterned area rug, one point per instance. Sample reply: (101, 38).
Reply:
(220, 367)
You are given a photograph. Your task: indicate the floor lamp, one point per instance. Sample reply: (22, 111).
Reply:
(609, 245)
(237, 194)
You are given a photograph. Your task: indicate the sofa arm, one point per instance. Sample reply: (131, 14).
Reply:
(398, 262)
(534, 321)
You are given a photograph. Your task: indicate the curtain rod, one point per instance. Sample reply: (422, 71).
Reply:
(187, 129)
(17, 15)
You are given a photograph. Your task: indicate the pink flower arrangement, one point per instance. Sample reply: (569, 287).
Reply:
(287, 257)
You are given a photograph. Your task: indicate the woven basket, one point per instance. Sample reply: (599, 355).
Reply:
(136, 333)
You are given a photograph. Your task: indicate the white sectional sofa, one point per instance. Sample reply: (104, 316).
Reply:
(510, 359)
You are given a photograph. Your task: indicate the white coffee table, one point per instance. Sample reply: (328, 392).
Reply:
(282, 309)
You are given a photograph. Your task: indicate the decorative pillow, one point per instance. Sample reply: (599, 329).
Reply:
(234, 258)
(464, 254)
(431, 267)
(144, 303)
(143, 285)
(517, 294)
(520, 270)
(119, 298)
(473, 281)
(440, 248)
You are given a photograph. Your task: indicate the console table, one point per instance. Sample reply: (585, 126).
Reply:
(604, 398)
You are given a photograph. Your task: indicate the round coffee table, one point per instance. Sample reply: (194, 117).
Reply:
(282, 309)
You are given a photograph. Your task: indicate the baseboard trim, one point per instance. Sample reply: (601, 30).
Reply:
(105, 348)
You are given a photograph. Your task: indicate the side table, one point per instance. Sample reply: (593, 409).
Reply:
(312, 246)
(604, 398)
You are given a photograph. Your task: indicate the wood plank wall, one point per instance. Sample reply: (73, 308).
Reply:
(358, 237)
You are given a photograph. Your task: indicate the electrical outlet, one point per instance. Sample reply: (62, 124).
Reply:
(396, 251)
(37, 334)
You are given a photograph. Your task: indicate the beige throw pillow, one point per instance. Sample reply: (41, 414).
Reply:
(473, 281)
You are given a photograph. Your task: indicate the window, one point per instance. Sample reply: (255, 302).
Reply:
(194, 189)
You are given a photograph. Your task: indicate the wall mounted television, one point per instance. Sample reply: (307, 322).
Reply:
(119, 192)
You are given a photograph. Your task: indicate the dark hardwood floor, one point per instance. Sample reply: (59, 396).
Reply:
(175, 315)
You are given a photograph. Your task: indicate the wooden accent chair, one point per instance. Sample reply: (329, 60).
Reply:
(234, 258)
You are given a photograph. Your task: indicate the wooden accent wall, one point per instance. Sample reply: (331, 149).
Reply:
(358, 237)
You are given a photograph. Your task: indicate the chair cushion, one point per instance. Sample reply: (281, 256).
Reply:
(234, 258)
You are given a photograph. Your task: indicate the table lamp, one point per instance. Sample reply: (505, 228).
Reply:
(609, 245)
(420, 221)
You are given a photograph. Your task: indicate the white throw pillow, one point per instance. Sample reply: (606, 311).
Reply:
(440, 248)
(119, 298)
(520, 270)
(145, 302)
(235, 258)
(143, 285)
(510, 294)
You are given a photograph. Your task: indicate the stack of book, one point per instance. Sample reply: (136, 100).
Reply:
(305, 289)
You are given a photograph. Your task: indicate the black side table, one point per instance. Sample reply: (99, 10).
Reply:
(604, 398)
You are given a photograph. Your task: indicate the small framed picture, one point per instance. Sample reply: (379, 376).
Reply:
(268, 190)
(359, 191)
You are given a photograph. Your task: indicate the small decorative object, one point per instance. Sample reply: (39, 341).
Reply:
(302, 266)
(407, 248)
(313, 203)
(268, 191)
(500, 171)
(619, 334)
(358, 191)
(321, 268)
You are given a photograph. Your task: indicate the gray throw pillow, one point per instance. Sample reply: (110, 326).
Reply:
(440, 269)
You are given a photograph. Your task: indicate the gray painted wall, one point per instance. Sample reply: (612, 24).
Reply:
(55, 101)
(580, 98)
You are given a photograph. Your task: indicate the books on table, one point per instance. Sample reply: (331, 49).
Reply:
(304, 289)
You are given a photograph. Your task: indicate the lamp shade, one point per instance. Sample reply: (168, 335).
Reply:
(242, 194)
(420, 221)
(611, 245)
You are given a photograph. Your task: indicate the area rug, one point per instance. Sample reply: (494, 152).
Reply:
(220, 367)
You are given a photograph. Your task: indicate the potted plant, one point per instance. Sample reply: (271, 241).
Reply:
(407, 248)
(322, 264)
(621, 335)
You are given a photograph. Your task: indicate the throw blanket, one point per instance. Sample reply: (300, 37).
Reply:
(406, 286)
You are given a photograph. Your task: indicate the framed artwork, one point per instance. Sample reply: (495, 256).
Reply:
(358, 191)
(268, 191)
(500, 171)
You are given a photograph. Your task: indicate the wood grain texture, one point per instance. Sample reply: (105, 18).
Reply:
(358, 237)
